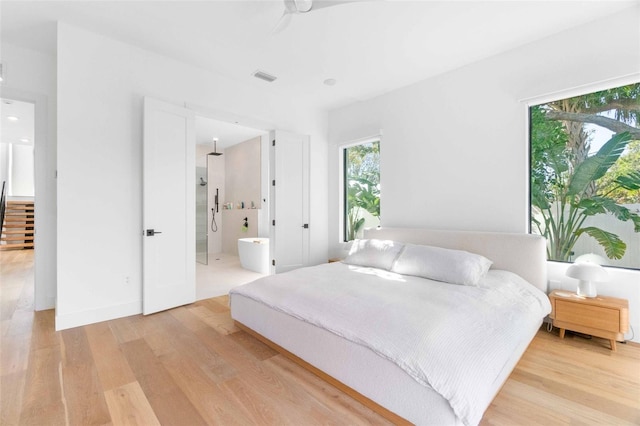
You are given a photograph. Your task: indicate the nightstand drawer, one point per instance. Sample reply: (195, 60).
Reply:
(590, 316)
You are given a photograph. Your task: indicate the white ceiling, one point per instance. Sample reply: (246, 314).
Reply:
(369, 47)
(20, 131)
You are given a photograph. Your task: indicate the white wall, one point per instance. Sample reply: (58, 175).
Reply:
(30, 76)
(454, 149)
(22, 171)
(101, 85)
(243, 173)
(233, 230)
(243, 183)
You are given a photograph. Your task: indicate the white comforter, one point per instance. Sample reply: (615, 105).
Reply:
(453, 338)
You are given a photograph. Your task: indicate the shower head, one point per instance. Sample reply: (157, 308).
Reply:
(215, 150)
(202, 182)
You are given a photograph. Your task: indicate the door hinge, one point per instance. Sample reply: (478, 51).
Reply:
(273, 143)
(273, 182)
(273, 222)
(273, 262)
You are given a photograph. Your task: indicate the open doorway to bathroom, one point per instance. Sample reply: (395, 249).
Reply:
(231, 204)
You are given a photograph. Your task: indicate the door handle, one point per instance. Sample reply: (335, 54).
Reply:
(152, 232)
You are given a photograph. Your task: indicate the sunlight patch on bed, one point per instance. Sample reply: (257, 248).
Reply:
(387, 275)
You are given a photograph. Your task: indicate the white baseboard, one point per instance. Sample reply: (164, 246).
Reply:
(77, 319)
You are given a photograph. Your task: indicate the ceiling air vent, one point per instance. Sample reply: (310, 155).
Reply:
(264, 76)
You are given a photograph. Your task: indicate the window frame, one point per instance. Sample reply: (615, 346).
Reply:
(342, 194)
(528, 103)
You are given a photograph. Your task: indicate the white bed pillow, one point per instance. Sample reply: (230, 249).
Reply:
(441, 264)
(374, 253)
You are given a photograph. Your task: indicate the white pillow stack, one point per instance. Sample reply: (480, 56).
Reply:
(435, 263)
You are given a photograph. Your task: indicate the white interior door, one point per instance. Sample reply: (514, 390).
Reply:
(168, 207)
(289, 167)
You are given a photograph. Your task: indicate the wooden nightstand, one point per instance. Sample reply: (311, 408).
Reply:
(601, 316)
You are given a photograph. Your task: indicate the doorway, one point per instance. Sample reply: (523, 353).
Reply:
(183, 137)
(17, 218)
(44, 253)
(17, 174)
(231, 201)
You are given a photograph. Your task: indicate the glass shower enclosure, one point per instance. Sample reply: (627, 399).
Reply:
(202, 216)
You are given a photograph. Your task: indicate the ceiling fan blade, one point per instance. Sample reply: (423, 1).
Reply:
(320, 4)
(298, 6)
(283, 22)
(302, 7)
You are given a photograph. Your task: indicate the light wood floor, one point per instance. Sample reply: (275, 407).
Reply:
(191, 366)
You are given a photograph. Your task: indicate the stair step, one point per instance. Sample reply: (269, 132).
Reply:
(18, 225)
(19, 207)
(17, 238)
(18, 231)
(16, 246)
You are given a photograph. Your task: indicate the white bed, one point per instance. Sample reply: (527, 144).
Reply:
(366, 371)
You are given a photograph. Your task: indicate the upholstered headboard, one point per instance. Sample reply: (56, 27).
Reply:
(524, 254)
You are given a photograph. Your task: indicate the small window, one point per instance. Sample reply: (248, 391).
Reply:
(361, 188)
(585, 176)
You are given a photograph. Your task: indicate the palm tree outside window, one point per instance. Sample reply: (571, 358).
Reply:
(585, 176)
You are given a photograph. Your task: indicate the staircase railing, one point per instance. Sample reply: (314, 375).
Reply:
(3, 203)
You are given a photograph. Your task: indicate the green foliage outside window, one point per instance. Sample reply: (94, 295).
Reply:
(569, 184)
(362, 186)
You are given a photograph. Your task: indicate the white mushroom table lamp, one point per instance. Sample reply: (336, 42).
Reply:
(587, 274)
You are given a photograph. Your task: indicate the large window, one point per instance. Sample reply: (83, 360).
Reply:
(585, 176)
(361, 188)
